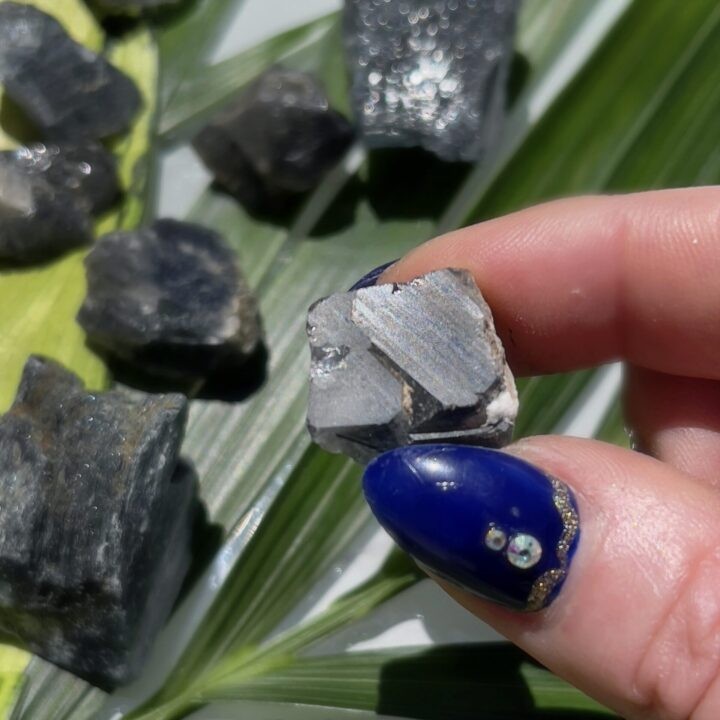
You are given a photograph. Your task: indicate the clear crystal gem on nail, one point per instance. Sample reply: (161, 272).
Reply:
(523, 551)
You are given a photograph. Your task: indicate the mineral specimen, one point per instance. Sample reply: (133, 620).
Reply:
(171, 299)
(279, 138)
(399, 364)
(37, 219)
(85, 170)
(431, 74)
(95, 532)
(68, 91)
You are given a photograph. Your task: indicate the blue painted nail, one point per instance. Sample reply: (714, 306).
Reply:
(370, 278)
(486, 521)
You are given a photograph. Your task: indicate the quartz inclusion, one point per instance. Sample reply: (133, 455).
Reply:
(431, 74)
(171, 299)
(95, 538)
(48, 192)
(277, 139)
(399, 364)
(67, 91)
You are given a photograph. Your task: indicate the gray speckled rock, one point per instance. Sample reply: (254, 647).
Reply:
(85, 170)
(408, 363)
(68, 91)
(430, 72)
(95, 533)
(279, 138)
(38, 220)
(171, 299)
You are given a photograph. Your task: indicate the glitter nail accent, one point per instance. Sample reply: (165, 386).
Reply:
(548, 581)
(495, 538)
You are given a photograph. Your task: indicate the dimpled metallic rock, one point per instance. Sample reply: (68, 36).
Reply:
(68, 91)
(400, 364)
(279, 138)
(96, 523)
(38, 219)
(430, 72)
(171, 299)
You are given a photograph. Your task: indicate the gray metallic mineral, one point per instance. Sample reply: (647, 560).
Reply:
(38, 219)
(399, 364)
(430, 72)
(95, 531)
(68, 91)
(279, 138)
(171, 299)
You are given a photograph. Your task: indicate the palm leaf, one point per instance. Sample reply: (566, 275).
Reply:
(581, 122)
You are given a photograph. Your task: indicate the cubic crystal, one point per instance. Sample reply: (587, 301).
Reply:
(431, 74)
(68, 91)
(97, 515)
(171, 299)
(398, 364)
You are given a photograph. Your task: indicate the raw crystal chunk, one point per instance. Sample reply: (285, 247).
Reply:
(68, 91)
(171, 299)
(408, 363)
(95, 531)
(85, 170)
(278, 138)
(431, 74)
(37, 219)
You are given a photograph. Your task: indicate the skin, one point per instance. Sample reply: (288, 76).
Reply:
(579, 282)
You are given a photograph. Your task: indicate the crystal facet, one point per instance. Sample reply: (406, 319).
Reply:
(171, 299)
(68, 91)
(97, 519)
(524, 551)
(409, 363)
(430, 73)
(278, 139)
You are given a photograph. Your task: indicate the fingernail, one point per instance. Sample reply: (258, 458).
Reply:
(371, 278)
(486, 521)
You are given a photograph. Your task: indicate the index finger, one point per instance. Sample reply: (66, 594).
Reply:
(578, 282)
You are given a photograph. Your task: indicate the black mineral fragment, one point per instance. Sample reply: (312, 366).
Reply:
(430, 72)
(171, 299)
(277, 140)
(97, 514)
(402, 364)
(67, 91)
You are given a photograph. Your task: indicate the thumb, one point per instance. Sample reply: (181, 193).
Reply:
(618, 554)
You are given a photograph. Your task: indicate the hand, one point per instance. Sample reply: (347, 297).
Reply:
(572, 284)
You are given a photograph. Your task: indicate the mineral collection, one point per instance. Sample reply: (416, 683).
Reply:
(171, 299)
(47, 193)
(66, 90)
(400, 364)
(278, 139)
(95, 536)
(431, 74)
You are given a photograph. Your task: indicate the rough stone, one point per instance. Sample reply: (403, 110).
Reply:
(278, 139)
(171, 299)
(95, 533)
(85, 170)
(399, 364)
(430, 73)
(67, 90)
(38, 220)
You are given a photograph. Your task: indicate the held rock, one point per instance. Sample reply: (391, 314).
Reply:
(401, 364)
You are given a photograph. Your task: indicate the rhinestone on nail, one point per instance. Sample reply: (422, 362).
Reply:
(523, 551)
(495, 539)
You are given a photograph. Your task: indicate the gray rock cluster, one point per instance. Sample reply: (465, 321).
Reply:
(171, 299)
(48, 192)
(66, 90)
(399, 364)
(277, 139)
(95, 535)
(430, 72)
